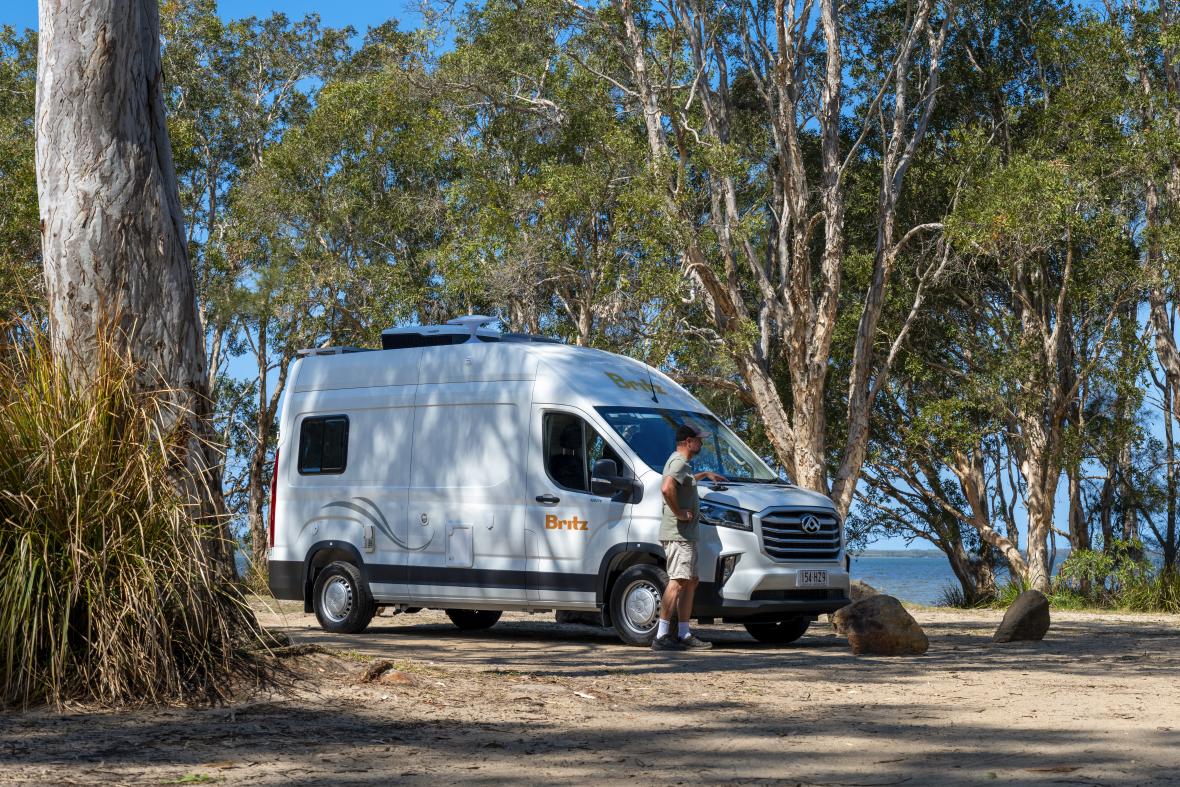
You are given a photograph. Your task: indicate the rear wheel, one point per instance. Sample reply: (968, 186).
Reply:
(779, 632)
(474, 619)
(635, 603)
(341, 599)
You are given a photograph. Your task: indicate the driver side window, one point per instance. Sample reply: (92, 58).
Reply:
(571, 447)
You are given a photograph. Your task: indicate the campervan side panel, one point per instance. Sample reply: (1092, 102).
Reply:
(359, 370)
(465, 493)
(482, 362)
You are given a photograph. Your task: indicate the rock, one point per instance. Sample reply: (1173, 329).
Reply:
(396, 677)
(880, 626)
(384, 672)
(860, 590)
(1026, 619)
(857, 591)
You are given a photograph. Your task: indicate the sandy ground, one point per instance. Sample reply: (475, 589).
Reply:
(532, 701)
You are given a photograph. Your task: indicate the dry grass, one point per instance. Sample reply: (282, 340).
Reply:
(108, 589)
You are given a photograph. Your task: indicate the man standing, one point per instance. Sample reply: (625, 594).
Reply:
(678, 534)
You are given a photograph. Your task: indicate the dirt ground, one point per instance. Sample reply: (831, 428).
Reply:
(532, 701)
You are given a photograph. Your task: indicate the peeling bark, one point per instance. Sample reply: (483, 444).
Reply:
(113, 239)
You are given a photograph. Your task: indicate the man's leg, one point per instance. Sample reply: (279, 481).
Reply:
(684, 610)
(684, 597)
(670, 603)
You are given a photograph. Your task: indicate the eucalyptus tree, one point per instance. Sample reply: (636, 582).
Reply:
(114, 248)
(20, 241)
(335, 232)
(937, 463)
(1164, 530)
(232, 88)
(938, 467)
(549, 189)
(1145, 35)
(754, 115)
(1053, 228)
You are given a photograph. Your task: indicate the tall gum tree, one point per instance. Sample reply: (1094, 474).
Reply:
(770, 270)
(113, 239)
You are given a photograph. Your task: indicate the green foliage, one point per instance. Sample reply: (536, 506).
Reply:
(108, 591)
(1119, 577)
(20, 241)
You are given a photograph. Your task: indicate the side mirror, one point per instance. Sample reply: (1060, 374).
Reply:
(605, 481)
(605, 468)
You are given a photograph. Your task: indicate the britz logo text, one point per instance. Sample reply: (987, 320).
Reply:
(553, 523)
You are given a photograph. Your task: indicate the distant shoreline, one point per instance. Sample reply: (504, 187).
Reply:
(1061, 553)
(896, 553)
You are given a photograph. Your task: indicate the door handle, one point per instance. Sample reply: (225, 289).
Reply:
(549, 500)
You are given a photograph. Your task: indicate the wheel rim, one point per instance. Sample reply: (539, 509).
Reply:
(336, 599)
(641, 606)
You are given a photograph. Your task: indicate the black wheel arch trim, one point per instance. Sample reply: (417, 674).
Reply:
(325, 546)
(614, 556)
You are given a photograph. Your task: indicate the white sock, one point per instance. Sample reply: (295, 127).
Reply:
(684, 631)
(662, 629)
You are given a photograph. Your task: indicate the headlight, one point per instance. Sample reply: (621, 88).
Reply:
(723, 516)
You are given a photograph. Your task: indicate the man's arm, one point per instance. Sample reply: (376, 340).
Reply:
(668, 489)
(711, 476)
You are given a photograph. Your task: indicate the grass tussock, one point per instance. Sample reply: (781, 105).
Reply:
(1118, 579)
(108, 589)
(955, 597)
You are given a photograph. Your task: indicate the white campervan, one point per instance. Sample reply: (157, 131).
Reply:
(467, 470)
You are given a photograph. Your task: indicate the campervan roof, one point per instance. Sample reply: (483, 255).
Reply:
(436, 354)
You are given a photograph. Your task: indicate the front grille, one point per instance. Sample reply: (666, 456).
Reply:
(783, 536)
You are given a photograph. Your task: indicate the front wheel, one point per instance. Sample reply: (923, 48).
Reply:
(779, 632)
(635, 603)
(473, 619)
(342, 602)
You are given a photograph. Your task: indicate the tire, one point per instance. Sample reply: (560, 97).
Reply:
(779, 632)
(341, 599)
(635, 603)
(474, 619)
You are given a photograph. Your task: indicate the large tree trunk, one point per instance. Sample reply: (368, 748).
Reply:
(113, 240)
(1169, 539)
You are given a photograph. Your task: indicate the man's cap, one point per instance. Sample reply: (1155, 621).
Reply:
(685, 431)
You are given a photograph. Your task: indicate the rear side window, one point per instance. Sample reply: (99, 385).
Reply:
(323, 445)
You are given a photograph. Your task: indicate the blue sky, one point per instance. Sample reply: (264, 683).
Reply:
(361, 14)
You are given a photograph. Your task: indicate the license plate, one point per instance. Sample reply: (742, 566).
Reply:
(811, 579)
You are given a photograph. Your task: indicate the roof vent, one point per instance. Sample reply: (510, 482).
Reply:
(330, 351)
(472, 323)
(460, 331)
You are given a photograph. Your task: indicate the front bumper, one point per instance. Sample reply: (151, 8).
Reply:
(762, 589)
(709, 603)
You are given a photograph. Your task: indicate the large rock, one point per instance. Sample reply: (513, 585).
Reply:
(1026, 619)
(860, 590)
(880, 626)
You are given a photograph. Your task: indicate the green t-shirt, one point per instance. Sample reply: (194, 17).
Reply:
(680, 471)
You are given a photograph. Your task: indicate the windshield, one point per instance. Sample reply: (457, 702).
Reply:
(651, 433)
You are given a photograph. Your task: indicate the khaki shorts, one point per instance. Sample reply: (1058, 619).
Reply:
(682, 559)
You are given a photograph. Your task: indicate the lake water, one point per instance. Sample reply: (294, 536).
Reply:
(920, 578)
